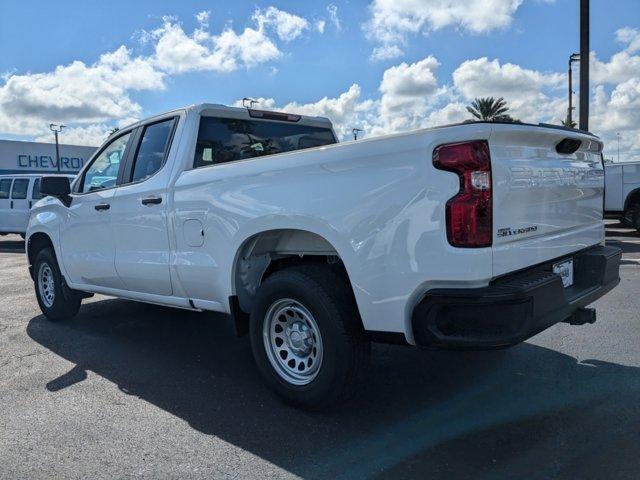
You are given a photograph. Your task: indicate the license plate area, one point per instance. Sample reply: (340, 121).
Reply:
(565, 270)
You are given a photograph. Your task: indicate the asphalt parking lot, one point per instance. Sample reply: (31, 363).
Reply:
(133, 390)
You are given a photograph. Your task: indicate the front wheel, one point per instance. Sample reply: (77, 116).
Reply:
(306, 336)
(57, 301)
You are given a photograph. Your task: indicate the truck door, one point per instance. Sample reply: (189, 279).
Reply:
(5, 204)
(87, 237)
(19, 216)
(139, 213)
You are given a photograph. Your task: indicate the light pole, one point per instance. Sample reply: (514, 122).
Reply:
(584, 65)
(57, 129)
(574, 57)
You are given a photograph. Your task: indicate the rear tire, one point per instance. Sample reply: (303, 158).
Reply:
(57, 301)
(307, 338)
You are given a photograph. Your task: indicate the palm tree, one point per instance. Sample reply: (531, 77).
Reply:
(490, 109)
(113, 130)
(570, 124)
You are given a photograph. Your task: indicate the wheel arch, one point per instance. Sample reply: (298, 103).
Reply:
(36, 242)
(268, 251)
(632, 197)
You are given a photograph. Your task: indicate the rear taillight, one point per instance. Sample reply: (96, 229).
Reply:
(470, 213)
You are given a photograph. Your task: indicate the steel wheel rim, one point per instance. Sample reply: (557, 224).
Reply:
(46, 285)
(292, 341)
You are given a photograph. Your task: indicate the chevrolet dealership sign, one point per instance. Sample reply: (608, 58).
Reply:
(35, 157)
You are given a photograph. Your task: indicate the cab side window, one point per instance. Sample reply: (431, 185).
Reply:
(152, 150)
(5, 188)
(20, 187)
(103, 172)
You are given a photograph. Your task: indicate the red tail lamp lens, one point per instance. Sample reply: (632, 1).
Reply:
(470, 212)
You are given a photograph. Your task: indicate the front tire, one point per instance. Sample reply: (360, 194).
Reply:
(306, 336)
(56, 300)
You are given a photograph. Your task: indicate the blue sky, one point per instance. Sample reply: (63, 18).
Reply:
(521, 42)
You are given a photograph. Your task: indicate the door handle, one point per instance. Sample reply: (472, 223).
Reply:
(152, 200)
(11, 203)
(102, 206)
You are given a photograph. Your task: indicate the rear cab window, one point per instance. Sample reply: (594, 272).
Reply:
(222, 140)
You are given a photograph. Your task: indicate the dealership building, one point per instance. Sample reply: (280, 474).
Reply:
(36, 157)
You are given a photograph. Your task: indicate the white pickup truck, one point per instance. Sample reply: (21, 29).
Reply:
(467, 236)
(622, 193)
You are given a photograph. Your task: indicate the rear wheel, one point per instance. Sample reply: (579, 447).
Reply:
(57, 301)
(306, 336)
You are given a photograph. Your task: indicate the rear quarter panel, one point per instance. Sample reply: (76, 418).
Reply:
(379, 202)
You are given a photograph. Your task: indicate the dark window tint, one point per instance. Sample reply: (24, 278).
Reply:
(20, 187)
(35, 193)
(5, 187)
(223, 140)
(154, 144)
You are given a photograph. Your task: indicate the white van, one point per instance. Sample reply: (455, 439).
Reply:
(18, 193)
(622, 193)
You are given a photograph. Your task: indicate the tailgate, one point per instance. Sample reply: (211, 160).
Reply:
(545, 204)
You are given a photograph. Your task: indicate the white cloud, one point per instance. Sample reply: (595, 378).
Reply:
(622, 66)
(287, 26)
(203, 18)
(87, 97)
(90, 93)
(91, 98)
(412, 96)
(393, 20)
(386, 52)
(178, 52)
(407, 92)
(616, 113)
(346, 111)
(630, 37)
(526, 91)
(90, 135)
(454, 112)
(334, 18)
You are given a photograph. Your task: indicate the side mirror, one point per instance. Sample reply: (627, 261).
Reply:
(55, 186)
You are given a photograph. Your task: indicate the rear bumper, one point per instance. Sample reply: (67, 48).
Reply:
(515, 307)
